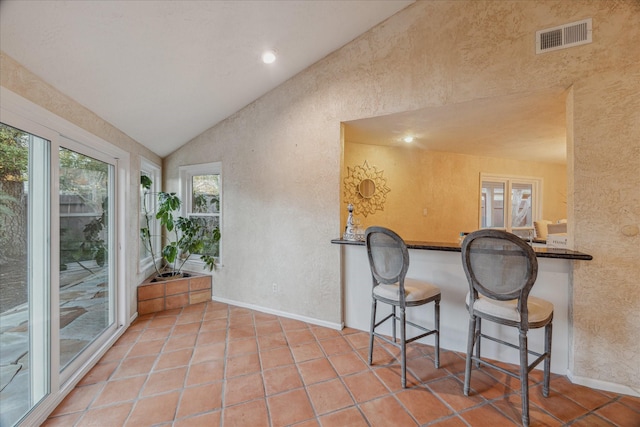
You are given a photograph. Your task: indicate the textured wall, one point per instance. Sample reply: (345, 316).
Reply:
(281, 154)
(16, 78)
(447, 185)
(606, 291)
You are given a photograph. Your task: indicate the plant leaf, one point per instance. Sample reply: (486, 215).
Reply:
(145, 181)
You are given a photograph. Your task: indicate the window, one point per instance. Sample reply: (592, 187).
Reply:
(148, 201)
(62, 218)
(510, 203)
(201, 187)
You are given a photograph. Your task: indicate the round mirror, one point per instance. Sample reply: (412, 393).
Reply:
(366, 188)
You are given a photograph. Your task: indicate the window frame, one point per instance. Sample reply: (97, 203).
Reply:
(186, 180)
(154, 172)
(32, 118)
(509, 180)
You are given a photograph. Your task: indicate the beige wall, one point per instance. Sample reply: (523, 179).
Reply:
(21, 81)
(281, 155)
(447, 185)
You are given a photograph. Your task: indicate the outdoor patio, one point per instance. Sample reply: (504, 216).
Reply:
(83, 296)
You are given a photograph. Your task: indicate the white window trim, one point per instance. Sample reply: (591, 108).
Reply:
(536, 196)
(19, 112)
(145, 265)
(186, 173)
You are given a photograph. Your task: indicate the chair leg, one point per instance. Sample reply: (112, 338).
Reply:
(478, 340)
(471, 337)
(373, 324)
(403, 347)
(437, 334)
(524, 377)
(547, 360)
(393, 323)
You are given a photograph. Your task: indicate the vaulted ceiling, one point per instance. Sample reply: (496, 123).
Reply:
(165, 71)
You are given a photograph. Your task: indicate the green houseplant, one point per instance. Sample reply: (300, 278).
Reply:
(183, 237)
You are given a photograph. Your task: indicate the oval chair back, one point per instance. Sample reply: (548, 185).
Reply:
(389, 263)
(388, 256)
(501, 269)
(500, 266)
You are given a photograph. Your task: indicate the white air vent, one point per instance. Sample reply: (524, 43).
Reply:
(564, 36)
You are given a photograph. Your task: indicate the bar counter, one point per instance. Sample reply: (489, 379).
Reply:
(541, 251)
(441, 265)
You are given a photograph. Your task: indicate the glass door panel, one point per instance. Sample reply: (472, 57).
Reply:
(521, 197)
(87, 282)
(492, 204)
(24, 273)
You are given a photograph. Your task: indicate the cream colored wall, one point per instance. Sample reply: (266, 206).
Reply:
(606, 209)
(447, 185)
(21, 81)
(281, 155)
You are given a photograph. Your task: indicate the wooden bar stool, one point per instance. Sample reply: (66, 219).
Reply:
(389, 262)
(501, 269)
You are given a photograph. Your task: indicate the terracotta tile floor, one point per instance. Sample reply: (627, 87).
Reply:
(217, 365)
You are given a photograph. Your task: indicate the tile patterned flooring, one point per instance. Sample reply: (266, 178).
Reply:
(213, 364)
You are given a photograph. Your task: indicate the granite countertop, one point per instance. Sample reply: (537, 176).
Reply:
(455, 247)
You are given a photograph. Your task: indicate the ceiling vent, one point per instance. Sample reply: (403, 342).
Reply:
(564, 36)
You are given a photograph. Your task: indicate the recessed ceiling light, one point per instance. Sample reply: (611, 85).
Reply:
(408, 139)
(269, 57)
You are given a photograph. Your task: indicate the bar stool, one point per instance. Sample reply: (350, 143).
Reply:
(501, 269)
(389, 262)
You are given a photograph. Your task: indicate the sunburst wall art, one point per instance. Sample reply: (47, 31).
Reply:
(365, 188)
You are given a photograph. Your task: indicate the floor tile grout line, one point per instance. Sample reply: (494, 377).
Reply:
(341, 378)
(223, 389)
(189, 366)
(123, 358)
(358, 353)
(304, 385)
(148, 374)
(447, 404)
(264, 387)
(615, 399)
(492, 374)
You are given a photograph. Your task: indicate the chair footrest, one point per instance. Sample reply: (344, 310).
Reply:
(385, 339)
(496, 367)
(508, 344)
(426, 334)
(407, 341)
(506, 371)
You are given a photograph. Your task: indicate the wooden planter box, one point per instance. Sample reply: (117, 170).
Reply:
(174, 293)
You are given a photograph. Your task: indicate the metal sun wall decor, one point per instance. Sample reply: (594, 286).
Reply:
(365, 188)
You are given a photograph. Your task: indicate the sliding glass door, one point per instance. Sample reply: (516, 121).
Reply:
(86, 276)
(58, 272)
(24, 278)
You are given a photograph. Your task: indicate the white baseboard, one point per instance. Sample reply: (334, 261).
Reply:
(603, 385)
(318, 322)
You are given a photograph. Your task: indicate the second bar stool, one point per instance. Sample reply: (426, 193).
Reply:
(501, 269)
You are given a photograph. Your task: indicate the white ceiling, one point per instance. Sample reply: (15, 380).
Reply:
(523, 127)
(165, 71)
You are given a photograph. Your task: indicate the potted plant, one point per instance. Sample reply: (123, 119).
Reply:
(183, 236)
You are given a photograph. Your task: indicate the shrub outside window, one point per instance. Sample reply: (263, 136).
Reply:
(201, 185)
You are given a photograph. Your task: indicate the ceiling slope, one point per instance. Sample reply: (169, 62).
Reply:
(165, 71)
